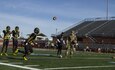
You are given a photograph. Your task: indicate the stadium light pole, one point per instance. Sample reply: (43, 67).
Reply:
(54, 19)
(107, 9)
(21, 34)
(56, 30)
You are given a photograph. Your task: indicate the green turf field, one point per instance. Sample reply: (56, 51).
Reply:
(47, 60)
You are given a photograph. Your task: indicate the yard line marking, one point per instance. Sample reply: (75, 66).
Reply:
(96, 58)
(80, 67)
(18, 66)
(112, 62)
(93, 58)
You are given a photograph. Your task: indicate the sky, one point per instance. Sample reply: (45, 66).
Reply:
(28, 14)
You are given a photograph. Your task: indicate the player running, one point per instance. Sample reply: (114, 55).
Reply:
(15, 36)
(7, 35)
(28, 44)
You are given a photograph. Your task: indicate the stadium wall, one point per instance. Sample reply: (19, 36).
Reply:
(39, 44)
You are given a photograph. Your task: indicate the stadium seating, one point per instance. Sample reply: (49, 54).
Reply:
(107, 30)
(76, 28)
(90, 27)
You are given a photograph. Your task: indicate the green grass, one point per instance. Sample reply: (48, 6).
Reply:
(52, 61)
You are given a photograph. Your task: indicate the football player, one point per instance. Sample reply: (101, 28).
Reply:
(7, 35)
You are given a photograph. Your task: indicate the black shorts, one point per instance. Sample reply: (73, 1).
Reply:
(59, 46)
(6, 42)
(73, 42)
(28, 48)
(15, 42)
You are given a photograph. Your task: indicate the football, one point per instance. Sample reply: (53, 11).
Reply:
(54, 18)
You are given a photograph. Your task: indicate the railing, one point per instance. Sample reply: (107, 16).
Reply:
(86, 25)
(99, 19)
(70, 27)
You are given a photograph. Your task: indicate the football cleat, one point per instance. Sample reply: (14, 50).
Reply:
(14, 54)
(6, 54)
(16, 51)
(1, 54)
(60, 56)
(25, 58)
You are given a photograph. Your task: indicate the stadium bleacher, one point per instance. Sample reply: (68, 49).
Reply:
(95, 27)
(107, 30)
(91, 26)
(76, 28)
